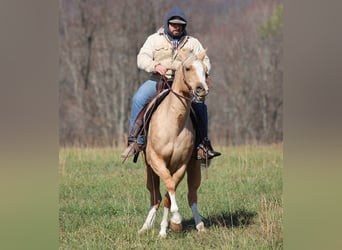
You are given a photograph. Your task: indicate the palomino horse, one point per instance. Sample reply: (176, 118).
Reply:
(169, 152)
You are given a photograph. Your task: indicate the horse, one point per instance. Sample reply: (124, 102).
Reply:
(170, 146)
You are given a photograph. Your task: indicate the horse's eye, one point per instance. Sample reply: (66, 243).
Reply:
(187, 68)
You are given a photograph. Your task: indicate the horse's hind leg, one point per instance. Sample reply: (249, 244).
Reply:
(164, 222)
(152, 183)
(194, 181)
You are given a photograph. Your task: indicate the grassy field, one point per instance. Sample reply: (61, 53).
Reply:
(103, 202)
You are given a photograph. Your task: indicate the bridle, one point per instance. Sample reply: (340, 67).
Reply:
(194, 97)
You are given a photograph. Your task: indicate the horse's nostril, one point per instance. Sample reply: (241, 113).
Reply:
(199, 89)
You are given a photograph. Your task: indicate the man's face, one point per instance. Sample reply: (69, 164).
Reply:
(175, 29)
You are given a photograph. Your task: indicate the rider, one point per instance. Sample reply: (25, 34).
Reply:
(159, 56)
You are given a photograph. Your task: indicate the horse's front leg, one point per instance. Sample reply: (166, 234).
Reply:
(171, 203)
(152, 183)
(194, 181)
(175, 222)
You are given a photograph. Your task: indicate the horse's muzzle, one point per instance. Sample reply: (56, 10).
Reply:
(201, 93)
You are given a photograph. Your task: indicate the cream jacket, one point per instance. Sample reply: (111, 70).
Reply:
(157, 49)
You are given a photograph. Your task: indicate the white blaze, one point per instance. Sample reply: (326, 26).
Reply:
(200, 73)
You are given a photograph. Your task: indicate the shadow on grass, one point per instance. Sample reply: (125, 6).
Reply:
(239, 218)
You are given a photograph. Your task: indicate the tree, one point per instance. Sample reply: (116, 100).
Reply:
(99, 42)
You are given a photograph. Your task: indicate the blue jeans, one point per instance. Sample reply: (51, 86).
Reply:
(146, 92)
(140, 98)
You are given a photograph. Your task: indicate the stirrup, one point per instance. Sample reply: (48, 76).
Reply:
(205, 151)
(201, 152)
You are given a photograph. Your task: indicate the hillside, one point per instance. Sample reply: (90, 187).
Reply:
(99, 41)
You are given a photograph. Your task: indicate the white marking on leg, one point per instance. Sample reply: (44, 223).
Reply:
(196, 214)
(200, 227)
(164, 223)
(176, 218)
(149, 220)
(174, 207)
(198, 221)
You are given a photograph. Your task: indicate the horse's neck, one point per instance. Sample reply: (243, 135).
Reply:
(180, 87)
(173, 113)
(178, 106)
(181, 91)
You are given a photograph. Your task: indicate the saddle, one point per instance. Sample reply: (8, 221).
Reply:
(141, 125)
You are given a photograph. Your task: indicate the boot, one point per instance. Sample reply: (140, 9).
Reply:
(205, 149)
(211, 152)
(135, 140)
(132, 149)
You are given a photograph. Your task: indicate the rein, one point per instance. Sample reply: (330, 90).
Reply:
(186, 83)
(181, 96)
(193, 97)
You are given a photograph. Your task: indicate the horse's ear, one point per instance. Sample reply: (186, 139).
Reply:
(184, 53)
(202, 55)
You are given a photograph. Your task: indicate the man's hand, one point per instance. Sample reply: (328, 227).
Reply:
(160, 69)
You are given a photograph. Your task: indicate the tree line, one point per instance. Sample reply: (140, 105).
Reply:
(99, 42)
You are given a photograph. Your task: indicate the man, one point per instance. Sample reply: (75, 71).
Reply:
(159, 56)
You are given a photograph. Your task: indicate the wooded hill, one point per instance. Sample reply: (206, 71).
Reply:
(99, 42)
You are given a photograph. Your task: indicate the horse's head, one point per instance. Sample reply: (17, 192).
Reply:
(194, 74)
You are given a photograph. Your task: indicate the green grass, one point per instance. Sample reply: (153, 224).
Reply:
(103, 202)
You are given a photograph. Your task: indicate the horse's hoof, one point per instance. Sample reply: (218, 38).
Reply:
(162, 235)
(176, 227)
(143, 229)
(200, 227)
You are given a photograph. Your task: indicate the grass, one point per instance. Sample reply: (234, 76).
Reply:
(103, 202)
